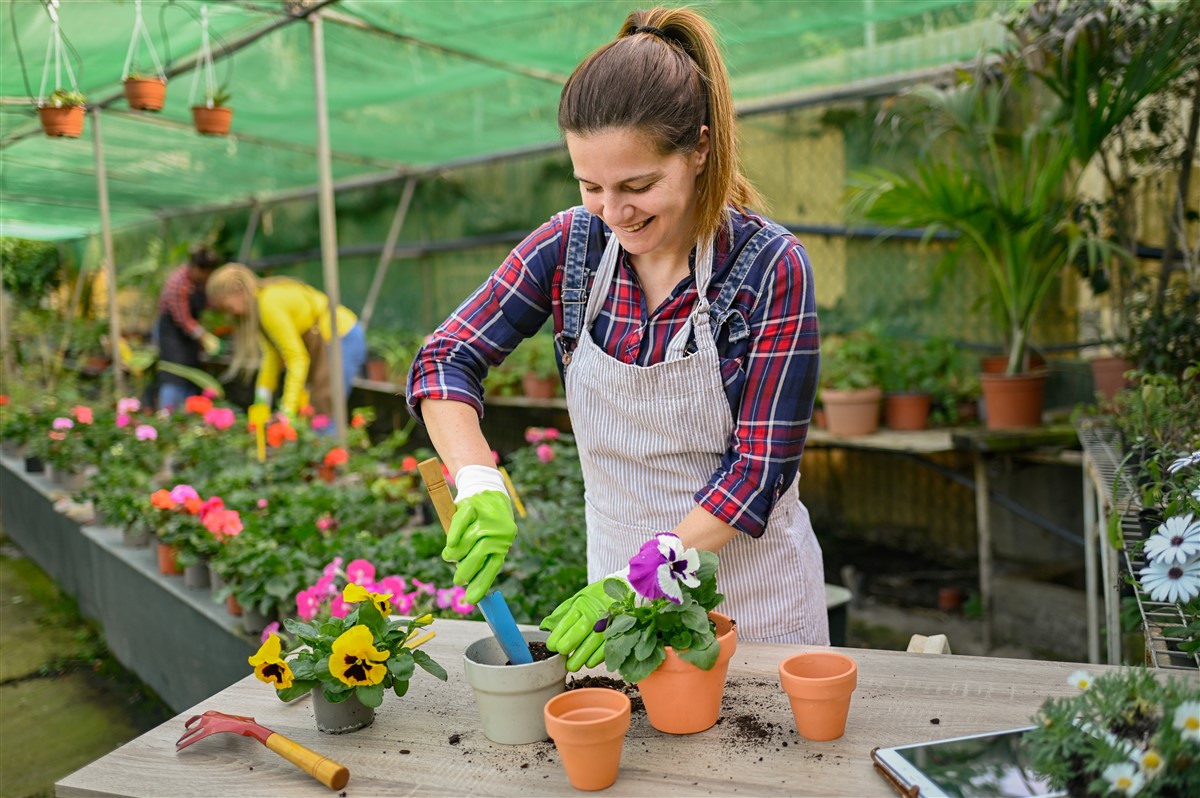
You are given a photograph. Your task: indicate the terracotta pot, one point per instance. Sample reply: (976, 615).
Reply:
(819, 685)
(998, 364)
(343, 717)
(212, 121)
(852, 412)
(588, 726)
(536, 387)
(166, 560)
(511, 698)
(1013, 401)
(66, 121)
(145, 94)
(377, 369)
(1108, 375)
(907, 411)
(950, 599)
(818, 418)
(682, 699)
(232, 606)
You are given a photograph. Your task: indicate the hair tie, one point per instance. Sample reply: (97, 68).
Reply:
(653, 31)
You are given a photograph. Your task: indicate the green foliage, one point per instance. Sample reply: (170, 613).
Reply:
(852, 361)
(67, 97)
(535, 355)
(32, 269)
(218, 96)
(1164, 338)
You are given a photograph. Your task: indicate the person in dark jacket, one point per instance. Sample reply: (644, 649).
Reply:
(178, 333)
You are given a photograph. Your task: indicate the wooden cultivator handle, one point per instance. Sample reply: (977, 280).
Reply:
(439, 491)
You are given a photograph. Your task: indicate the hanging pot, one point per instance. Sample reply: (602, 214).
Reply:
(852, 412)
(511, 697)
(343, 717)
(167, 563)
(683, 699)
(588, 727)
(819, 685)
(213, 121)
(145, 94)
(1013, 400)
(62, 121)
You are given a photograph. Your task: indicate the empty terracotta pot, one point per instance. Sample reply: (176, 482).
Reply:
(588, 727)
(819, 685)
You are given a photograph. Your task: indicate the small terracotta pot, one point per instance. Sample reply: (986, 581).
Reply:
(852, 412)
(907, 411)
(1108, 375)
(232, 606)
(950, 599)
(145, 94)
(819, 685)
(1013, 400)
(343, 717)
(166, 560)
(536, 387)
(377, 369)
(588, 727)
(66, 121)
(212, 121)
(682, 699)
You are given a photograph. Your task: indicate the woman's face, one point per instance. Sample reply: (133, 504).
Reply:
(647, 199)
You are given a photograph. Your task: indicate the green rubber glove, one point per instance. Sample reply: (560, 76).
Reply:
(479, 538)
(572, 625)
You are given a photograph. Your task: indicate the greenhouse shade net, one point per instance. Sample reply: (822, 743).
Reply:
(412, 85)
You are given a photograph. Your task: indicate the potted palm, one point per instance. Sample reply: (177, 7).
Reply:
(62, 115)
(214, 117)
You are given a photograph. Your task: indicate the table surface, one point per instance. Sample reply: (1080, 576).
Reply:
(430, 742)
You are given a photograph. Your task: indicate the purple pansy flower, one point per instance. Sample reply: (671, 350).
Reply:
(661, 566)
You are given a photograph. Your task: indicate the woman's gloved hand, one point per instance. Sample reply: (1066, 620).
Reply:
(572, 625)
(482, 531)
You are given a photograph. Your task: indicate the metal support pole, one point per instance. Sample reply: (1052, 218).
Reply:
(1091, 533)
(328, 220)
(8, 363)
(110, 265)
(248, 237)
(389, 249)
(983, 522)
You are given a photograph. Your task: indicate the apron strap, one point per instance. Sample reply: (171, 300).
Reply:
(720, 314)
(575, 283)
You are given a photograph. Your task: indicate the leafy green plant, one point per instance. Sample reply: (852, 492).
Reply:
(61, 98)
(218, 96)
(535, 355)
(852, 361)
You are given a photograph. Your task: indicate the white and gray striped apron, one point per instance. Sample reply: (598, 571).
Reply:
(650, 437)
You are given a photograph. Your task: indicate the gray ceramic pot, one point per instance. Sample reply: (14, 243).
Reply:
(511, 697)
(347, 716)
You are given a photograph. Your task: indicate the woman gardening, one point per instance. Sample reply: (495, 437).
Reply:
(281, 322)
(687, 333)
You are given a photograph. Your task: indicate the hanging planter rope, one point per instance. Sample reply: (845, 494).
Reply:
(213, 117)
(63, 111)
(145, 92)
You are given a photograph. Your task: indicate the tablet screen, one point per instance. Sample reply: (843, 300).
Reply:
(987, 766)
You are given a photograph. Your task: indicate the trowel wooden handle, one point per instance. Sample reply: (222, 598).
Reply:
(439, 491)
(322, 768)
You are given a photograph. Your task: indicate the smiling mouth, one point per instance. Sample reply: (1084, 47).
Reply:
(637, 226)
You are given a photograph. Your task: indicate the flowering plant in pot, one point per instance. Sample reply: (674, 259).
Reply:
(62, 114)
(662, 635)
(1127, 732)
(214, 116)
(350, 660)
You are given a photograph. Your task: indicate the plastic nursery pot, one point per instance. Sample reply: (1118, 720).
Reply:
(145, 94)
(65, 121)
(819, 685)
(511, 698)
(343, 717)
(167, 564)
(588, 727)
(683, 699)
(213, 121)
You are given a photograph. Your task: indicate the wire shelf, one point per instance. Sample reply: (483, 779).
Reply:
(1101, 443)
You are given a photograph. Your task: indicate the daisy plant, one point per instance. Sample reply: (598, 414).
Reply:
(674, 588)
(364, 653)
(1172, 571)
(1129, 731)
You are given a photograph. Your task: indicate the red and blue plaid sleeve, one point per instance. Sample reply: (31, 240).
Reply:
(175, 296)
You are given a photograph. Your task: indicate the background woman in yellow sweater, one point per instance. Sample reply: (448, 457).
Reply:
(284, 323)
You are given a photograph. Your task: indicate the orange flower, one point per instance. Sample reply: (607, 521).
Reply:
(193, 504)
(408, 464)
(336, 456)
(82, 413)
(3, 399)
(357, 421)
(162, 500)
(198, 405)
(279, 432)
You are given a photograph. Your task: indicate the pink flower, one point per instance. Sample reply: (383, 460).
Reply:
(332, 569)
(392, 584)
(123, 420)
(320, 422)
(445, 597)
(326, 523)
(223, 523)
(220, 418)
(262, 504)
(458, 604)
(128, 406)
(545, 453)
(429, 588)
(211, 504)
(145, 432)
(403, 602)
(338, 608)
(360, 571)
(209, 393)
(181, 493)
(62, 422)
(325, 586)
(308, 602)
(269, 629)
(495, 457)
(533, 435)
(58, 436)
(550, 434)
(83, 414)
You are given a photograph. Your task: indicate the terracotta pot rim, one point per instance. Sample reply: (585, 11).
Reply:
(1033, 374)
(835, 682)
(159, 81)
(614, 701)
(852, 394)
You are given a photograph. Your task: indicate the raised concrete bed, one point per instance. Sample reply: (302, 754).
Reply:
(179, 641)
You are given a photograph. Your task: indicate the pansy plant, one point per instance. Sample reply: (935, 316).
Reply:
(674, 588)
(364, 653)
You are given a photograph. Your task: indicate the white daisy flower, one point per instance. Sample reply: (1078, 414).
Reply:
(1187, 720)
(1183, 462)
(1172, 582)
(1152, 763)
(1175, 540)
(1081, 679)
(1124, 778)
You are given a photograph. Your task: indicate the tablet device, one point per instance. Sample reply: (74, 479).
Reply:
(990, 765)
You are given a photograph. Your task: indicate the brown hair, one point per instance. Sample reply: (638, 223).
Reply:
(664, 76)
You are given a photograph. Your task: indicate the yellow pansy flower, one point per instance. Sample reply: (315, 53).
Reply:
(269, 666)
(353, 594)
(355, 661)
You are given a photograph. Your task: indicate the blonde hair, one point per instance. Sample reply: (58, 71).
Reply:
(664, 76)
(234, 279)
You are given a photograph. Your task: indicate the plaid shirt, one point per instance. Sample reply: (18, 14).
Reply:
(174, 302)
(770, 376)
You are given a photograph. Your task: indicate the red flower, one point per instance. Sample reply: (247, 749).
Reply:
(198, 405)
(3, 399)
(336, 456)
(82, 413)
(279, 432)
(408, 464)
(193, 505)
(212, 505)
(357, 421)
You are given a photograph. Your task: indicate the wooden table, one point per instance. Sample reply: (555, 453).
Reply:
(431, 743)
